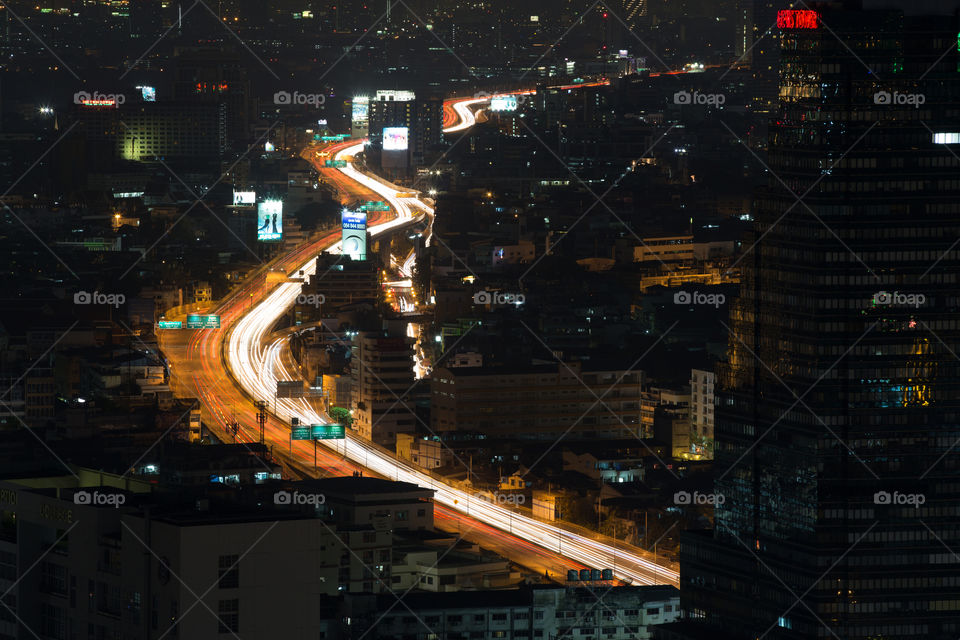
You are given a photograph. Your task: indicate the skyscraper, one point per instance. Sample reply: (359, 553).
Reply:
(838, 409)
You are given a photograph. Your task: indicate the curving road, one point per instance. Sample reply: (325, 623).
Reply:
(254, 359)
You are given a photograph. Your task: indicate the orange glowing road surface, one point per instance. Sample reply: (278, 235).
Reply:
(229, 368)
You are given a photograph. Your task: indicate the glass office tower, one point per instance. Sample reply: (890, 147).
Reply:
(838, 408)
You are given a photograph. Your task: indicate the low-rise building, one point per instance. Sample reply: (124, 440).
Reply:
(540, 612)
(537, 401)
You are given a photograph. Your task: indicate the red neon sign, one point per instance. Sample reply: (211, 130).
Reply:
(797, 19)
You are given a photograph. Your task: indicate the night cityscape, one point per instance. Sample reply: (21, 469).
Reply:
(481, 320)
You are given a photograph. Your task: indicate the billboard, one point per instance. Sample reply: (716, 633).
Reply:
(244, 197)
(149, 94)
(354, 238)
(360, 109)
(360, 116)
(503, 103)
(395, 138)
(270, 221)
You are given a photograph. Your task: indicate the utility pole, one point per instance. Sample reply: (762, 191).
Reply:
(261, 416)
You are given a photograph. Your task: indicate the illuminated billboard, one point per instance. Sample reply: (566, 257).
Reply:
(244, 197)
(360, 109)
(354, 238)
(149, 94)
(395, 138)
(503, 103)
(270, 221)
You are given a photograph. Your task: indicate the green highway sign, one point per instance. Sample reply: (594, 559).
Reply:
(170, 324)
(335, 163)
(379, 205)
(328, 431)
(197, 321)
(301, 432)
